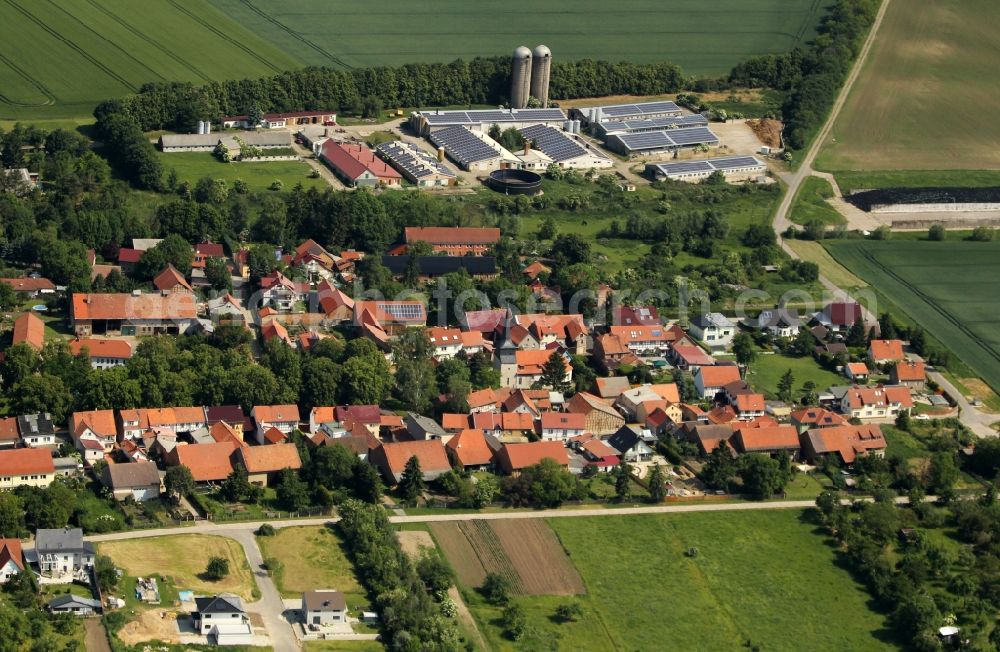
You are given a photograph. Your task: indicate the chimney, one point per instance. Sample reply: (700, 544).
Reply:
(527, 146)
(441, 154)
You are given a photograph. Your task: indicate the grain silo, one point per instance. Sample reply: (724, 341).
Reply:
(520, 77)
(540, 68)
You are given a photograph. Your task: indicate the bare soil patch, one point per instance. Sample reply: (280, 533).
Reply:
(151, 626)
(767, 130)
(414, 541)
(749, 95)
(538, 557)
(526, 552)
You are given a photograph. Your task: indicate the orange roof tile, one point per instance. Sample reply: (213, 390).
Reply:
(179, 305)
(271, 414)
(8, 429)
(514, 457)
(848, 441)
(170, 278)
(452, 235)
(268, 459)
(10, 550)
(98, 348)
(29, 329)
(469, 448)
(818, 417)
(718, 376)
(766, 438)
(25, 461)
(207, 462)
(429, 452)
(908, 372)
(102, 422)
(27, 284)
(451, 421)
(886, 349)
(564, 420)
(857, 368)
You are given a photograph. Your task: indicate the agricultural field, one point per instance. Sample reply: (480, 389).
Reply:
(191, 166)
(949, 288)
(526, 552)
(703, 40)
(58, 58)
(312, 557)
(921, 101)
(765, 577)
(183, 558)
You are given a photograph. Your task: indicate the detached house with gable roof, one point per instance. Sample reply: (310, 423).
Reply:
(885, 351)
(599, 417)
(26, 467)
(714, 329)
(562, 426)
(875, 403)
(847, 442)
(62, 552)
(285, 418)
(11, 559)
(96, 427)
(711, 380)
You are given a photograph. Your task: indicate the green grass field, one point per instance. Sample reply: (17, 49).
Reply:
(850, 181)
(810, 203)
(766, 577)
(949, 288)
(767, 370)
(703, 40)
(58, 58)
(922, 100)
(311, 558)
(191, 166)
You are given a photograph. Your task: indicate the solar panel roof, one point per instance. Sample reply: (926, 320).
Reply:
(484, 116)
(644, 108)
(410, 158)
(553, 142)
(462, 145)
(668, 138)
(652, 124)
(709, 165)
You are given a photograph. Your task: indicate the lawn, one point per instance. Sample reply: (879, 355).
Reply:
(766, 371)
(312, 557)
(98, 49)
(192, 166)
(344, 646)
(184, 558)
(849, 181)
(810, 203)
(703, 40)
(932, 284)
(765, 576)
(921, 101)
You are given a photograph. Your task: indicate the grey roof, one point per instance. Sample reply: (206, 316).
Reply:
(324, 601)
(652, 124)
(490, 116)
(220, 604)
(775, 317)
(667, 139)
(189, 140)
(626, 438)
(59, 539)
(440, 265)
(555, 143)
(640, 109)
(410, 159)
(131, 475)
(145, 244)
(424, 424)
(716, 319)
(69, 599)
(35, 424)
(708, 166)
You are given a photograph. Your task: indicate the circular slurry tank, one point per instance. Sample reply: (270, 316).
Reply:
(511, 181)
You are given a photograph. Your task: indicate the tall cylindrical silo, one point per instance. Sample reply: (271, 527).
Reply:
(540, 69)
(520, 77)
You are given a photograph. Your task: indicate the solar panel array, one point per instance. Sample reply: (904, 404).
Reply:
(412, 159)
(668, 139)
(646, 108)
(462, 145)
(402, 310)
(709, 165)
(490, 116)
(654, 124)
(553, 142)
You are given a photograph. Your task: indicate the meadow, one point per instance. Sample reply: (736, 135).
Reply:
(59, 58)
(949, 288)
(766, 371)
(922, 101)
(311, 557)
(702, 39)
(192, 166)
(765, 577)
(810, 203)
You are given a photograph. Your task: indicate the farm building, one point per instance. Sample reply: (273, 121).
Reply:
(473, 150)
(733, 168)
(357, 165)
(563, 149)
(30, 286)
(132, 314)
(419, 167)
(623, 112)
(425, 122)
(281, 120)
(390, 459)
(263, 140)
(604, 129)
(667, 140)
(103, 354)
(188, 142)
(454, 240)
